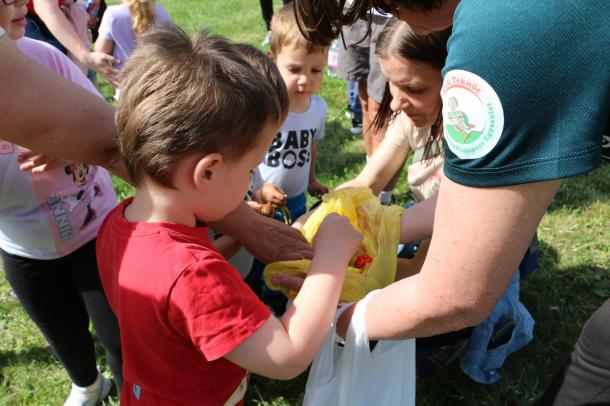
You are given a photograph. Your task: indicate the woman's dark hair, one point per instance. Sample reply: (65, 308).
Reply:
(398, 39)
(320, 21)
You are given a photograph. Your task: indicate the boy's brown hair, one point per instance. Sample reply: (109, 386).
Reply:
(181, 96)
(265, 65)
(285, 32)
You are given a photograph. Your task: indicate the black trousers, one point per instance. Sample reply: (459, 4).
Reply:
(267, 10)
(585, 377)
(60, 296)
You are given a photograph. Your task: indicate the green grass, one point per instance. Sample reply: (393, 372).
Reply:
(573, 280)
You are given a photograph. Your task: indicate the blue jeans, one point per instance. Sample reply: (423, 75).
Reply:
(508, 328)
(353, 100)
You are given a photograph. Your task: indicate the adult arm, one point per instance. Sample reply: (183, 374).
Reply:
(478, 235)
(49, 114)
(61, 28)
(381, 167)
(267, 239)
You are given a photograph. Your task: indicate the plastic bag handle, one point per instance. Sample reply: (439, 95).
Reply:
(356, 332)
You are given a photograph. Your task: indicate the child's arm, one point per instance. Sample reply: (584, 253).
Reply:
(50, 13)
(105, 46)
(282, 349)
(315, 188)
(227, 246)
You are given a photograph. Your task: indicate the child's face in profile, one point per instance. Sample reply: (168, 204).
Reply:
(302, 72)
(233, 178)
(12, 18)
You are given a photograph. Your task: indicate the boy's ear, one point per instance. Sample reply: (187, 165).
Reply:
(207, 170)
(270, 54)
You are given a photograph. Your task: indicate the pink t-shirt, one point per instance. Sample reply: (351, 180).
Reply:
(50, 215)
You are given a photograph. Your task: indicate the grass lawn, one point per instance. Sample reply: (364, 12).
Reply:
(573, 280)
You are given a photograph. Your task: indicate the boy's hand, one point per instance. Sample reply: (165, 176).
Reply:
(273, 194)
(316, 188)
(336, 238)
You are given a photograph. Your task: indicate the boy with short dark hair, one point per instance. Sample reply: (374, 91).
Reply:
(194, 119)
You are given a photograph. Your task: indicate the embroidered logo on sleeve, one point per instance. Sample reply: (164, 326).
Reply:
(473, 118)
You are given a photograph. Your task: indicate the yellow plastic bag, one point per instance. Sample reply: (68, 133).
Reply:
(380, 226)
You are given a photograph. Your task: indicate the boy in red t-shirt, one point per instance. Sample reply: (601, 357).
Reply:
(193, 120)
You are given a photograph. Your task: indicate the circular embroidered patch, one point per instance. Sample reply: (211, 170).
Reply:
(473, 118)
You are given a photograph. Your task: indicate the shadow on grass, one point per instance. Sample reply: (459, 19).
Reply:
(336, 155)
(39, 355)
(582, 190)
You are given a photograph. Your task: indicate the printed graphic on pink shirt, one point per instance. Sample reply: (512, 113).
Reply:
(70, 198)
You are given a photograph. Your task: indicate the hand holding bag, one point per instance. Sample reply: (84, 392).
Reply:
(353, 375)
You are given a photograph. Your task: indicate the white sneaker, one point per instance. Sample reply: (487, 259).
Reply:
(91, 395)
(267, 40)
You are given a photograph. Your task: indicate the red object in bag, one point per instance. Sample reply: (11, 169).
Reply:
(362, 261)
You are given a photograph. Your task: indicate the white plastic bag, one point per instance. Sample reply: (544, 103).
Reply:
(353, 375)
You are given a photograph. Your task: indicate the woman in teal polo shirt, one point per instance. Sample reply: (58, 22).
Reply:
(520, 114)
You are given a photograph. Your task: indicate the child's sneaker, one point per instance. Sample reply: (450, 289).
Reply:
(356, 126)
(91, 395)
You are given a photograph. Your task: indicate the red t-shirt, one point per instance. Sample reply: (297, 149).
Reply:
(181, 307)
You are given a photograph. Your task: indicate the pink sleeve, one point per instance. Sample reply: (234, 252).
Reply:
(53, 59)
(213, 307)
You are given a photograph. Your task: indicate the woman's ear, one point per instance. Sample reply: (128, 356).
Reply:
(207, 171)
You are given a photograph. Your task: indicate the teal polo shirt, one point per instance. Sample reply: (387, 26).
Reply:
(526, 91)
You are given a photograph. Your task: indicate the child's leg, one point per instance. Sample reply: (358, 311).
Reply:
(83, 267)
(46, 291)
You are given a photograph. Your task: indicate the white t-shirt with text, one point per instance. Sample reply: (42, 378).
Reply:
(288, 160)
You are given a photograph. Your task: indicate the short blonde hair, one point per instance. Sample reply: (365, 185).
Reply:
(285, 32)
(181, 96)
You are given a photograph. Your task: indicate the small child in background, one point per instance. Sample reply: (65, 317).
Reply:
(290, 161)
(193, 120)
(48, 225)
(121, 24)
(265, 197)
